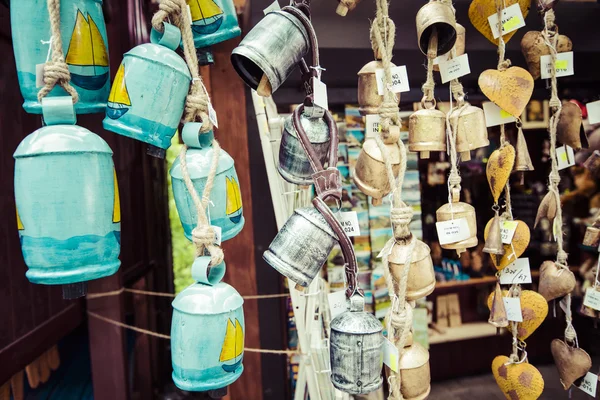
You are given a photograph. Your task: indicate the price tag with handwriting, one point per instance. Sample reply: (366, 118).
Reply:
(507, 231)
(512, 19)
(593, 110)
(454, 68)
(563, 66)
(494, 115)
(513, 309)
(565, 157)
(399, 80)
(592, 298)
(372, 127)
(452, 231)
(589, 384)
(390, 354)
(320, 94)
(517, 272)
(349, 222)
(337, 303)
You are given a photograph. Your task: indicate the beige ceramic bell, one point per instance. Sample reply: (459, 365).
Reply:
(369, 99)
(471, 132)
(456, 210)
(427, 131)
(414, 372)
(570, 128)
(370, 174)
(436, 16)
(421, 277)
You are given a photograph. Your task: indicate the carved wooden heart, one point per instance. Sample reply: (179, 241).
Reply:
(510, 89)
(517, 381)
(480, 10)
(555, 282)
(534, 47)
(534, 308)
(519, 243)
(572, 362)
(498, 169)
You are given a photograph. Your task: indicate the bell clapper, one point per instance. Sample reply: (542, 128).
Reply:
(264, 87)
(425, 155)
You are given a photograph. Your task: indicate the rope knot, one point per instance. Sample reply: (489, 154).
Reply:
(57, 72)
(570, 334)
(203, 235)
(389, 109)
(554, 178)
(555, 102)
(561, 258)
(454, 179)
(504, 65)
(401, 216)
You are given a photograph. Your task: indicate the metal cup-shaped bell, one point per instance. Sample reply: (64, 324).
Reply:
(294, 165)
(436, 16)
(270, 51)
(355, 352)
(570, 128)
(459, 46)
(493, 243)
(369, 99)
(523, 160)
(498, 316)
(427, 131)
(302, 246)
(471, 132)
(456, 210)
(421, 277)
(592, 236)
(414, 372)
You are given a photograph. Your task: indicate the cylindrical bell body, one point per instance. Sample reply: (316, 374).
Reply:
(459, 46)
(414, 372)
(85, 47)
(302, 246)
(213, 21)
(438, 15)
(149, 90)
(293, 165)
(457, 210)
(369, 99)
(207, 337)
(370, 174)
(272, 48)
(471, 131)
(68, 207)
(427, 131)
(592, 236)
(355, 352)
(421, 277)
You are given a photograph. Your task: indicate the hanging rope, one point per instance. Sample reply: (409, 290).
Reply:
(56, 71)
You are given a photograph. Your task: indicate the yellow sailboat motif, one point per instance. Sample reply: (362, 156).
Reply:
(87, 55)
(207, 16)
(233, 346)
(19, 222)
(118, 100)
(116, 200)
(234, 200)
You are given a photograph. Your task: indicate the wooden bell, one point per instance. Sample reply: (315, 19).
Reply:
(471, 132)
(455, 210)
(498, 316)
(493, 243)
(436, 16)
(427, 131)
(570, 128)
(414, 372)
(369, 99)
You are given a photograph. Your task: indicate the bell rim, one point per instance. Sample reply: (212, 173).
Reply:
(292, 179)
(202, 386)
(347, 319)
(287, 269)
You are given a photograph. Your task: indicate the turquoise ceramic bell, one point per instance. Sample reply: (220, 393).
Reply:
(225, 206)
(85, 46)
(67, 198)
(207, 331)
(148, 94)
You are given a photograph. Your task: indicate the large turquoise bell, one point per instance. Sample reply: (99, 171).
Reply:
(67, 198)
(207, 331)
(85, 46)
(148, 94)
(225, 206)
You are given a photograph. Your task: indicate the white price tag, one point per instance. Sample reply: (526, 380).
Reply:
(212, 115)
(513, 309)
(512, 19)
(372, 127)
(565, 157)
(494, 115)
(390, 354)
(39, 75)
(273, 7)
(455, 68)
(589, 384)
(349, 222)
(592, 298)
(320, 94)
(517, 272)
(593, 110)
(337, 303)
(399, 80)
(452, 231)
(507, 231)
(563, 65)
(218, 234)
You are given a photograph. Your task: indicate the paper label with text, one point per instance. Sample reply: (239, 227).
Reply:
(349, 222)
(390, 354)
(565, 157)
(454, 68)
(563, 66)
(593, 110)
(372, 127)
(399, 80)
(517, 272)
(274, 6)
(507, 231)
(589, 384)
(494, 115)
(513, 309)
(218, 231)
(320, 94)
(337, 303)
(453, 231)
(512, 19)
(592, 298)
(39, 75)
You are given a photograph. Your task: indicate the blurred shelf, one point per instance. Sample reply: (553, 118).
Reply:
(469, 282)
(471, 330)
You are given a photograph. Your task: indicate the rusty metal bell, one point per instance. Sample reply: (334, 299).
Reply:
(523, 160)
(427, 131)
(414, 372)
(570, 129)
(369, 99)
(370, 174)
(471, 132)
(493, 243)
(421, 276)
(436, 16)
(456, 210)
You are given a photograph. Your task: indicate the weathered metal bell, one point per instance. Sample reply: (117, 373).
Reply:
(459, 46)
(471, 132)
(456, 210)
(493, 243)
(523, 160)
(421, 277)
(427, 131)
(225, 206)
(498, 316)
(369, 99)
(270, 51)
(414, 372)
(355, 352)
(294, 165)
(370, 173)
(436, 16)
(570, 129)
(302, 246)
(213, 359)
(67, 199)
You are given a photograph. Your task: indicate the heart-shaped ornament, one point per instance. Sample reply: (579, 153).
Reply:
(480, 10)
(515, 249)
(520, 381)
(572, 362)
(510, 89)
(534, 309)
(498, 169)
(555, 282)
(534, 47)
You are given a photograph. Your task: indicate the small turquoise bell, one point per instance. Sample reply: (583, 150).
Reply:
(207, 331)
(67, 198)
(85, 45)
(225, 206)
(148, 94)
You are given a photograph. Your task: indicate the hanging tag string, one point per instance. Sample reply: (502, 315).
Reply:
(56, 71)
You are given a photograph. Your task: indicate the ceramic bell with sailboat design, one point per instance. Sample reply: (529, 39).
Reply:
(207, 331)
(85, 44)
(148, 94)
(225, 203)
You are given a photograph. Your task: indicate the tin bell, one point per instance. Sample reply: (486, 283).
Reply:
(456, 210)
(369, 99)
(569, 130)
(427, 131)
(67, 198)
(148, 94)
(225, 206)
(414, 372)
(471, 131)
(213, 359)
(493, 243)
(436, 17)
